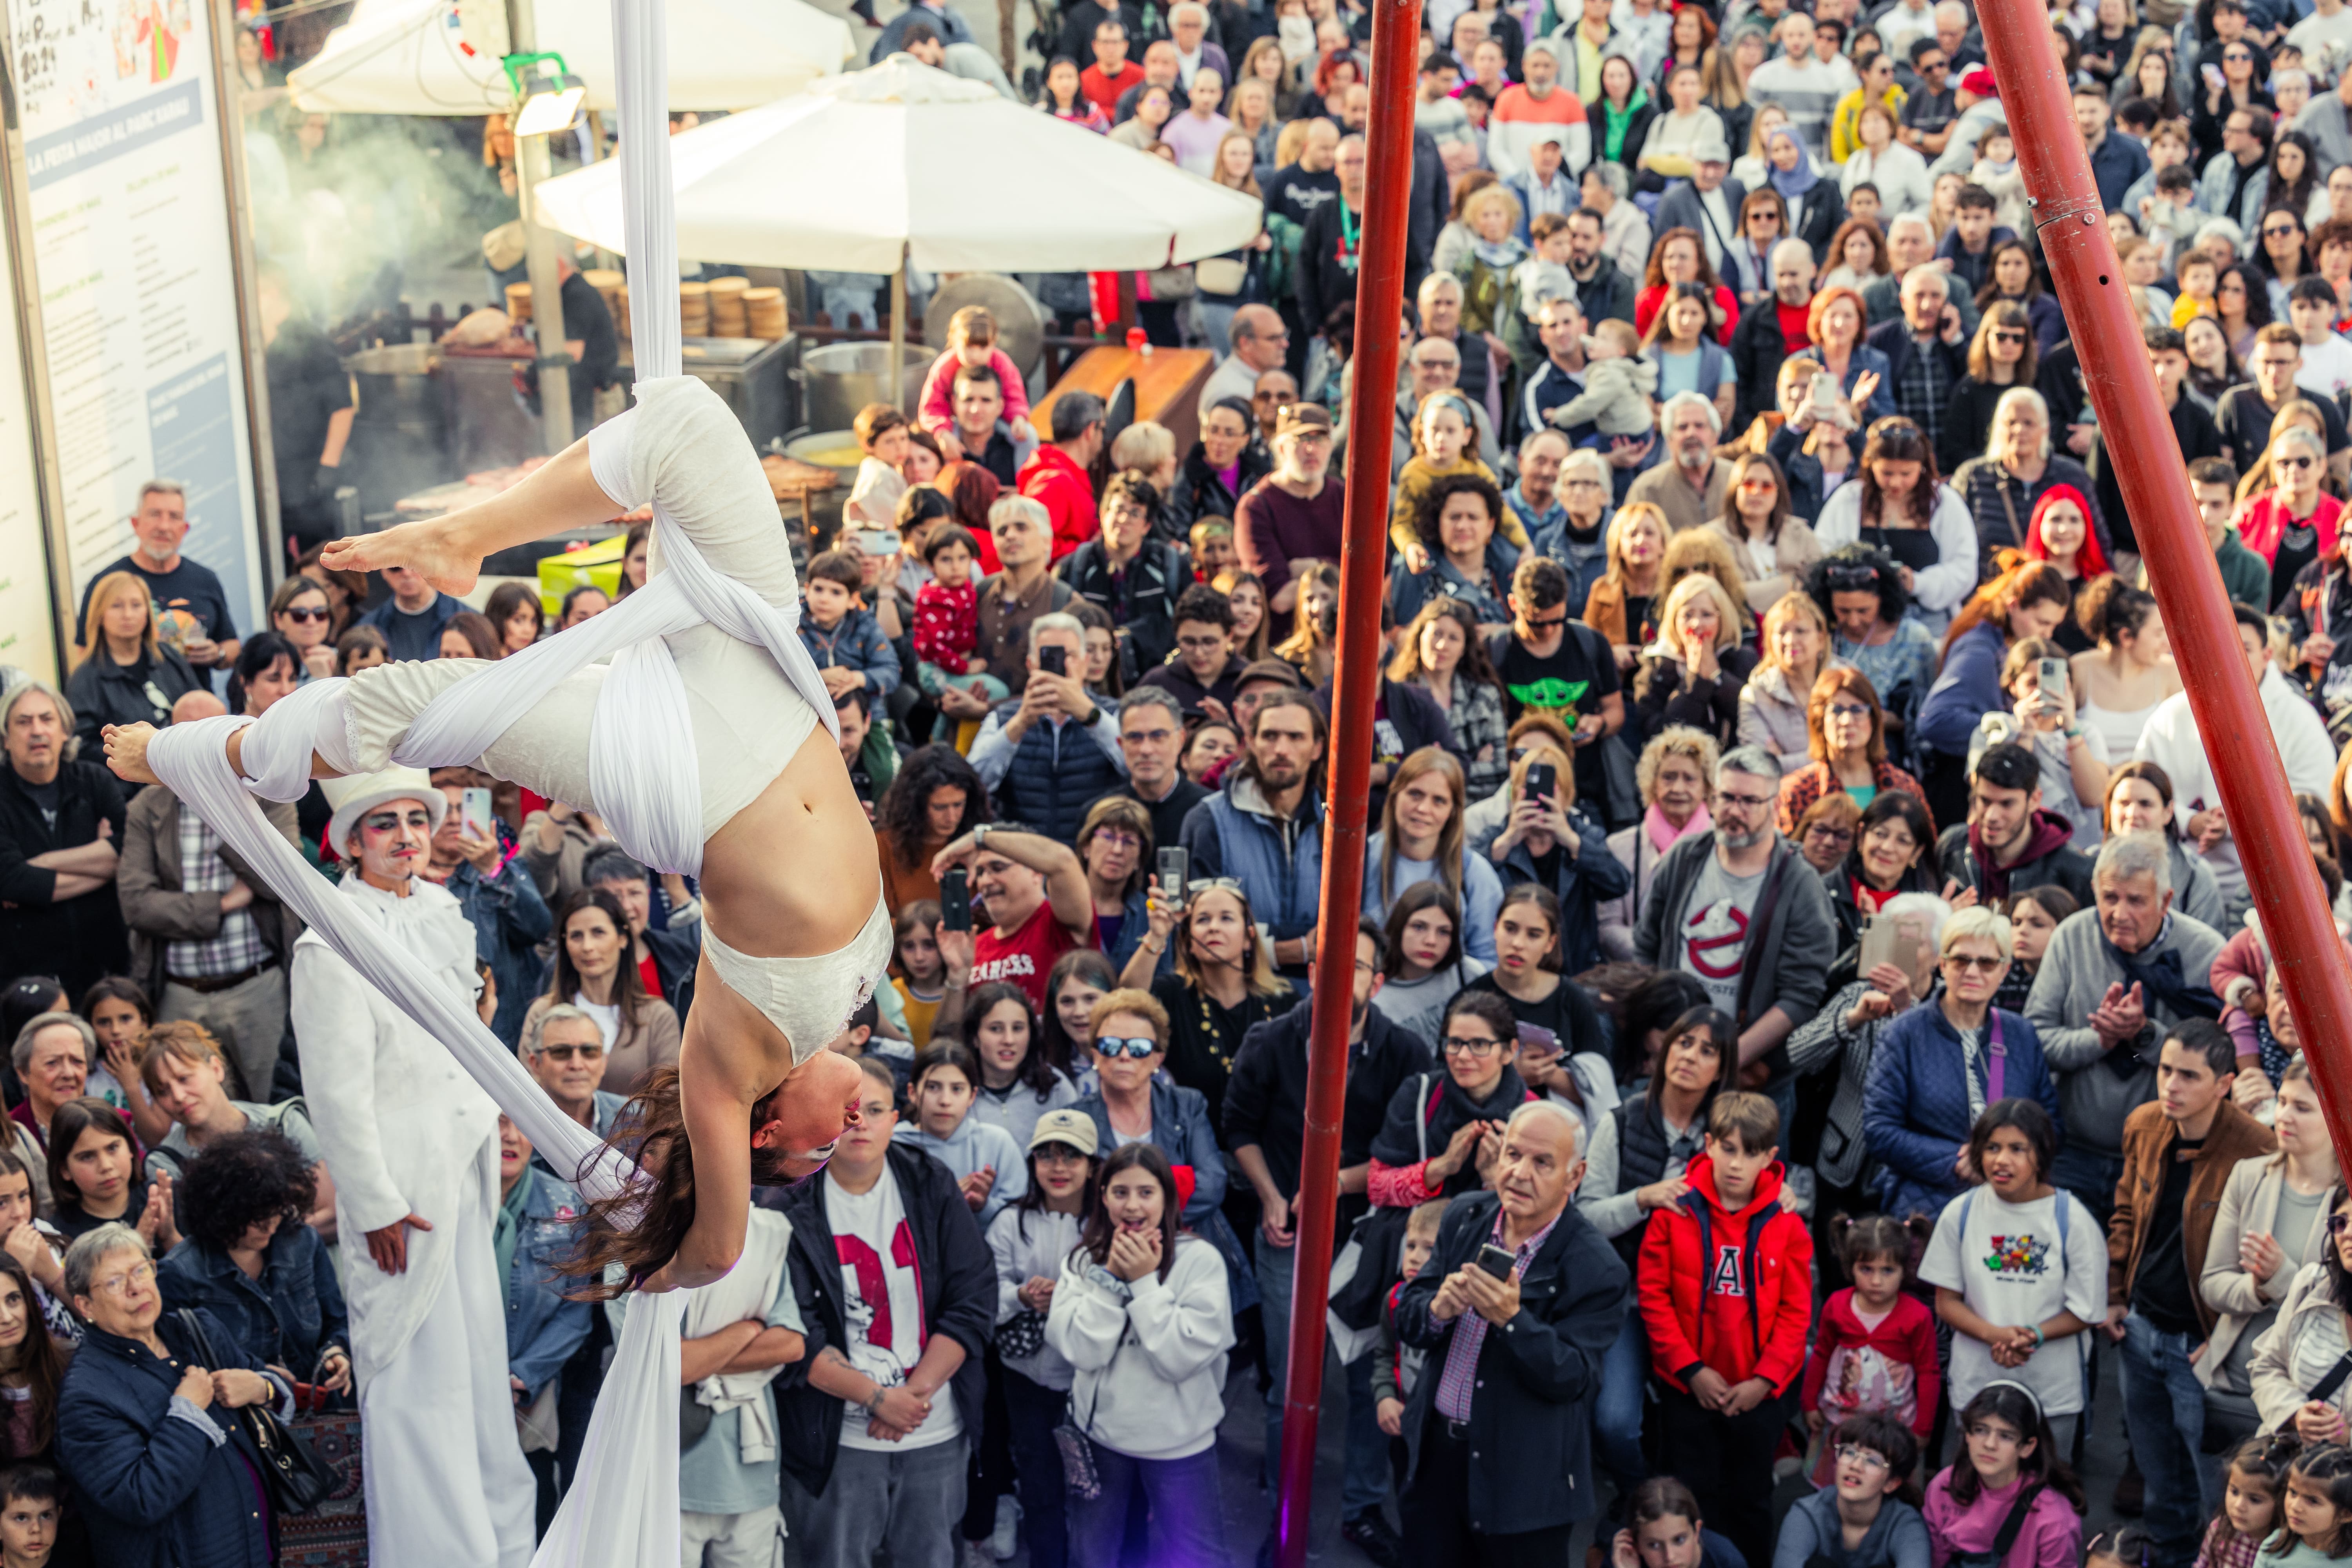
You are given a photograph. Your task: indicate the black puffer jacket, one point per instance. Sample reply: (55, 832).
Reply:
(1198, 493)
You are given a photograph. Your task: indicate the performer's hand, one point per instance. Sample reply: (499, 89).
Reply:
(196, 1387)
(389, 1247)
(430, 547)
(126, 752)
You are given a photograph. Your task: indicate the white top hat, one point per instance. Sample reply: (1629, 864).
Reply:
(355, 796)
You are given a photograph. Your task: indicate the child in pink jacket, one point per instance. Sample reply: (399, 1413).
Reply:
(972, 341)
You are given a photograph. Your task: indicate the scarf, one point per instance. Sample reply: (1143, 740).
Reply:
(1501, 254)
(1664, 836)
(1449, 1109)
(1792, 184)
(2162, 979)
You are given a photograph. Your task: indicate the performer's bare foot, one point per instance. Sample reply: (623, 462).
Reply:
(126, 752)
(434, 547)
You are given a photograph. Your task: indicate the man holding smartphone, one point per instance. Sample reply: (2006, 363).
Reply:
(1038, 908)
(1050, 751)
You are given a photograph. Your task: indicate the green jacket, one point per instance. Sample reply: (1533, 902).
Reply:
(2245, 575)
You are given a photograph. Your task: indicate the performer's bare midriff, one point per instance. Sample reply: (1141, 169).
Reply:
(790, 881)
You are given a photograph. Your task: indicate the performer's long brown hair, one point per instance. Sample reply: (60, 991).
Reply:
(642, 1228)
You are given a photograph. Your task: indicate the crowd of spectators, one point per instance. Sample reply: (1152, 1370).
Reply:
(1805, 991)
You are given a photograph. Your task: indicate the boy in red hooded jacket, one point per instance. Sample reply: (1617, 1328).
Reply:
(1725, 1282)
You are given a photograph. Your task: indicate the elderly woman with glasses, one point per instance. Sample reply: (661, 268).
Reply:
(1937, 1065)
(148, 1432)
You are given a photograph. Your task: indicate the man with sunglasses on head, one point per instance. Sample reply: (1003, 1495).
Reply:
(1743, 913)
(413, 1144)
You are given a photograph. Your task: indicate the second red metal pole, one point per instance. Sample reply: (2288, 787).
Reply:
(1379, 307)
(2137, 431)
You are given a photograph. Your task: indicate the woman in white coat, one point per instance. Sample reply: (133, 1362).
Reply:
(1141, 1312)
(1900, 174)
(1897, 504)
(2271, 1222)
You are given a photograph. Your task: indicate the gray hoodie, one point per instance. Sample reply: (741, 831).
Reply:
(2076, 970)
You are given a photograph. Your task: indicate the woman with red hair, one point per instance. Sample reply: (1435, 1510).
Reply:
(2060, 533)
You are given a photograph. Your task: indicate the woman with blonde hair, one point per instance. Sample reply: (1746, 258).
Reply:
(1696, 550)
(1672, 777)
(1618, 607)
(1148, 449)
(2295, 523)
(1235, 278)
(1420, 839)
(127, 674)
(1773, 703)
(1773, 550)
(1496, 247)
(1693, 673)
(1250, 106)
(1845, 733)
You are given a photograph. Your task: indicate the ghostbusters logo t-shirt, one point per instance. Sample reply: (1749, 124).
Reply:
(1711, 939)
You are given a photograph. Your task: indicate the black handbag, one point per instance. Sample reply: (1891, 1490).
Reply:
(299, 1481)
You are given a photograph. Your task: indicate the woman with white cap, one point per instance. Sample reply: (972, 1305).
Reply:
(413, 1144)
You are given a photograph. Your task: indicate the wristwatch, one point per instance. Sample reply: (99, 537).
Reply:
(980, 836)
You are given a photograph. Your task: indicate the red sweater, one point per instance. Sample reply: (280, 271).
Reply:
(1054, 480)
(1890, 1369)
(1730, 1291)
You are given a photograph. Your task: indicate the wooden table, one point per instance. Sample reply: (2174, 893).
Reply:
(1166, 387)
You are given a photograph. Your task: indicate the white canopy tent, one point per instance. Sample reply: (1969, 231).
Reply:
(409, 56)
(901, 164)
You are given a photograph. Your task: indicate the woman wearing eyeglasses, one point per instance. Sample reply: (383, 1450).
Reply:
(1115, 846)
(300, 612)
(1846, 733)
(1444, 1129)
(2293, 523)
(1937, 1067)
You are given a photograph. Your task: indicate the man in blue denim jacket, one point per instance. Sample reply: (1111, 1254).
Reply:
(537, 1221)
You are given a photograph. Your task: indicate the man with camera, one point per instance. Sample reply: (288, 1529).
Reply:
(1047, 753)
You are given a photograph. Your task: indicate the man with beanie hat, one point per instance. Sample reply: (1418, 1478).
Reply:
(2011, 843)
(413, 1145)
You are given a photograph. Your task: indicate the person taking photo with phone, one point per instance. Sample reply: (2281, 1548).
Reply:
(1038, 906)
(1050, 751)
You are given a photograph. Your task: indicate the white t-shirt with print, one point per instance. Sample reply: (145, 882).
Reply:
(882, 1300)
(2008, 1263)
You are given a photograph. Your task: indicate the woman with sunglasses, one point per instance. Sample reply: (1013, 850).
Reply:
(300, 612)
(1135, 1103)
(2239, 86)
(2296, 523)
(1938, 1065)
(2283, 258)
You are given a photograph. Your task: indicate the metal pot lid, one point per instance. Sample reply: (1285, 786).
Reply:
(1020, 320)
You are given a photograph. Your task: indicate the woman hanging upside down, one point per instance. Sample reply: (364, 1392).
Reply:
(795, 933)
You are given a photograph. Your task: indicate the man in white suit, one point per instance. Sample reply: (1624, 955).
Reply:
(413, 1146)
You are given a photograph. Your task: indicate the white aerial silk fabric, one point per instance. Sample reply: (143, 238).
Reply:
(622, 1509)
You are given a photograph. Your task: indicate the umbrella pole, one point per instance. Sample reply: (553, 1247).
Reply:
(898, 333)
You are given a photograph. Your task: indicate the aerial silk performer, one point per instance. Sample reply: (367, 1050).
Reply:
(698, 745)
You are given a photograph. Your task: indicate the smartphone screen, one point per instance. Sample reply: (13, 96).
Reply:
(877, 540)
(474, 814)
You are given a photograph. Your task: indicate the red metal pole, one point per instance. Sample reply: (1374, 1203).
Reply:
(2188, 585)
(1379, 305)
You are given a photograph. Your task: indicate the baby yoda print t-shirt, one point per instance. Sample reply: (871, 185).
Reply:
(2015, 1263)
(1571, 681)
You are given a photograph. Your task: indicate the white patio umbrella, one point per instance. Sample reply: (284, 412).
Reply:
(900, 163)
(407, 57)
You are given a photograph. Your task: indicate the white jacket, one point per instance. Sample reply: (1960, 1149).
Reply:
(1030, 1244)
(1151, 1368)
(1941, 588)
(2170, 740)
(398, 1120)
(1900, 175)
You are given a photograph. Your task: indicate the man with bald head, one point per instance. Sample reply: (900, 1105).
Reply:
(1326, 255)
(1927, 348)
(208, 938)
(1498, 1430)
(1764, 338)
